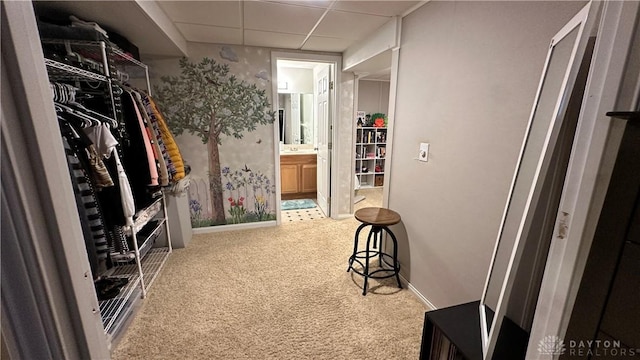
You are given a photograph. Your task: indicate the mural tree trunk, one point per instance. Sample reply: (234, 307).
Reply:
(215, 179)
(208, 102)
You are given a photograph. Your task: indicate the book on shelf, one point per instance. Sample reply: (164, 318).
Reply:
(382, 151)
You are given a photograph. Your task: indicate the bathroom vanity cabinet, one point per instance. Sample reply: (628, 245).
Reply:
(298, 176)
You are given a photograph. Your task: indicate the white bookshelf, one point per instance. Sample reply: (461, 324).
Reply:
(370, 152)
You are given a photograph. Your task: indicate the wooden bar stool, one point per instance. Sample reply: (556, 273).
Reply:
(378, 219)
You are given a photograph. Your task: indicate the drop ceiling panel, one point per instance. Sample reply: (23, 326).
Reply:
(272, 39)
(312, 3)
(274, 23)
(384, 8)
(321, 43)
(341, 24)
(282, 18)
(218, 13)
(210, 34)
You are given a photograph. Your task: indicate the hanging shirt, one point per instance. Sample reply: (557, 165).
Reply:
(106, 144)
(99, 172)
(128, 206)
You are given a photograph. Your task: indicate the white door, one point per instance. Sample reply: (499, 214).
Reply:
(322, 78)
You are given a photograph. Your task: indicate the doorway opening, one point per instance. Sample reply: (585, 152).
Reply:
(370, 150)
(374, 102)
(304, 99)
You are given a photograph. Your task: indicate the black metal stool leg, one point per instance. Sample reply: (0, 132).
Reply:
(366, 262)
(380, 250)
(396, 264)
(355, 246)
(375, 230)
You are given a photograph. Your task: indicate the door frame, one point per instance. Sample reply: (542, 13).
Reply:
(334, 176)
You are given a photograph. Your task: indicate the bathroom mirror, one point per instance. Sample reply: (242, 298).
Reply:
(528, 212)
(296, 118)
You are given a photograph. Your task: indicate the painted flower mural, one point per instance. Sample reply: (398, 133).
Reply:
(247, 198)
(207, 101)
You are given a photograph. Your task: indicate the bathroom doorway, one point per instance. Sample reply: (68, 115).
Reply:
(305, 97)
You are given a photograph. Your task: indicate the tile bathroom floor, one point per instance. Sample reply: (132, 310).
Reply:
(291, 216)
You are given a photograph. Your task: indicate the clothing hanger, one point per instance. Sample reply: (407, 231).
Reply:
(87, 119)
(66, 94)
(117, 90)
(63, 93)
(122, 76)
(104, 119)
(83, 123)
(67, 128)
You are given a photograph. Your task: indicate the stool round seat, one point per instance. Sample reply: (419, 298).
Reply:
(377, 216)
(388, 265)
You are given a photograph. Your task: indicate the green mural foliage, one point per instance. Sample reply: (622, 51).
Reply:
(206, 101)
(205, 92)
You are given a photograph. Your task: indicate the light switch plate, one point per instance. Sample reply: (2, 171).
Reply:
(423, 155)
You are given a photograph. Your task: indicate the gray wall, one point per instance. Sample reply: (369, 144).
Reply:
(468, 73)
(373, 96)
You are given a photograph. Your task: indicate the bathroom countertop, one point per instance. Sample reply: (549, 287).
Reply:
(299, 152)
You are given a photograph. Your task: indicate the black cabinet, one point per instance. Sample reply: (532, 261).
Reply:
(453, 333)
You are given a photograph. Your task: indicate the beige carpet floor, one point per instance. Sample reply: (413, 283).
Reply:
(272, 293)
(372, 198)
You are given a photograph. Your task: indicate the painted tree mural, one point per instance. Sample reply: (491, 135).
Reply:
(208, 102)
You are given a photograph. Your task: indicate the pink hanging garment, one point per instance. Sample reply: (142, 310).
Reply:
(147, 145)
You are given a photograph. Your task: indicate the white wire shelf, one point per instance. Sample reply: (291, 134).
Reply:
(115, 311)
(88, 47)
(61, 70)
(144, 216)
(125, 65)
(150, 239)
(153, 263)
(122, 58)
(144, 244)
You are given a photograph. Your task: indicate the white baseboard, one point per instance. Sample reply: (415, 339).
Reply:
(220, 228)
(343, 216)
(417, 293)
